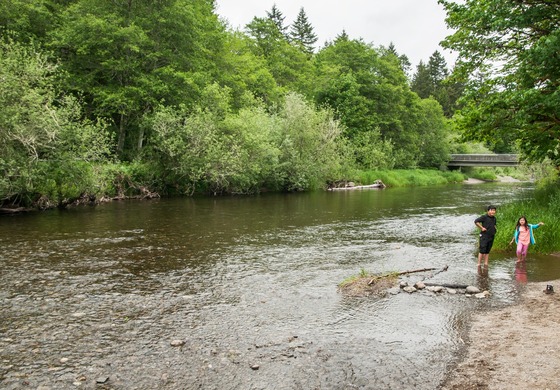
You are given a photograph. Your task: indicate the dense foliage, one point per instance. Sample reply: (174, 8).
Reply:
(509, 60)
(108, 98)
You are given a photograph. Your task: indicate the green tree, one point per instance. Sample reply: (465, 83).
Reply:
(294, 149)
(246, 73)
(302, 33)
(422, 82)
(403, 59)
(278, 18)
(29, 19)
(433, 80)
(290, 66)
(46, 147)
(126, 57)
(509, 60)
(368, 89)
(309, 141)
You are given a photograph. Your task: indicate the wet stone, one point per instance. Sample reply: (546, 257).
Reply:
(472, 290)
(102, 379)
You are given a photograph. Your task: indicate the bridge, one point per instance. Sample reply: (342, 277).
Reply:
(483, 160)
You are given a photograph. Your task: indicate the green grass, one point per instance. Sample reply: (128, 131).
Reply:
(409, 177)
(544, 207)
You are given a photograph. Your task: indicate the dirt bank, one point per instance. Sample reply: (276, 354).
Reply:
(515, 347)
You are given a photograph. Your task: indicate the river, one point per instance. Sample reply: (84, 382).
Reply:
(241, 292)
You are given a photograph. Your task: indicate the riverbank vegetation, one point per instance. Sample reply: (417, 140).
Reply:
(117, 99)
(542, 206)
(108, 99)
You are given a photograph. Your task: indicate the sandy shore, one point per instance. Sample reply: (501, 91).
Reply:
(516, 347)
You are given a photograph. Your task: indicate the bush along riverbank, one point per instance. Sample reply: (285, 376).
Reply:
(96, 184)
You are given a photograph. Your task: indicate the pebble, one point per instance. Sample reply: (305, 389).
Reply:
(409, 289)
(177, 343)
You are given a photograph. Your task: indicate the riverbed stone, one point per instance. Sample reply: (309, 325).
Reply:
(102, 379)
(177, 343)
(472, 290)
(435, 289)
(409, 289)
(420, 285)
(484, 294)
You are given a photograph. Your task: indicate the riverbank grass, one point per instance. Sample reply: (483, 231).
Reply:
(544, 207)
(410, 177)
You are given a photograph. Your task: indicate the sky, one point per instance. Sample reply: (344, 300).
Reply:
(415, 27)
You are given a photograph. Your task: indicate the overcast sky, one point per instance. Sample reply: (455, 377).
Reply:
(414, 26)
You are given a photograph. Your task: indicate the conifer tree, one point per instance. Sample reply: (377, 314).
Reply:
(278, 18)
(301, 33)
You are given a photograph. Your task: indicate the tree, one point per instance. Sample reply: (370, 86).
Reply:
(126, 57)
(29, 19)
(301, 33)
(432, 80)
(289, 65)
(246, 73)
(278, 18)
(509, 58)
(422, 81)
(369, 92)
(46, 147)
(403, 59)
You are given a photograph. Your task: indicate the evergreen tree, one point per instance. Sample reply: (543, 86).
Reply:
(403, 59)
(343, 36)
(278, 18)
(422, 82)
(301, 33)
(433, 80)
(437, 68)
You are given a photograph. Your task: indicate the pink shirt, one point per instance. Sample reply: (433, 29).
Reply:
(524, 235)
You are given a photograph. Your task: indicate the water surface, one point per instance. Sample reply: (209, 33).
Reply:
(249, 285)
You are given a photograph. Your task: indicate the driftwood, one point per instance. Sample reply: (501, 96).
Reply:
(410, 272)
(350, 186)
(448, 285)
(6, 210)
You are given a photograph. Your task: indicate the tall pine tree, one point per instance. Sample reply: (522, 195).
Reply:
(278, 18)
(301, 33)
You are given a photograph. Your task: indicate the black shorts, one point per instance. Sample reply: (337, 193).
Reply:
(485, 244)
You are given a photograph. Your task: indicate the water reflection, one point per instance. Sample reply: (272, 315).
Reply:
(521, 272)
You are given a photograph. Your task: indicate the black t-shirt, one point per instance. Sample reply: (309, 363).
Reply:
(489, 223)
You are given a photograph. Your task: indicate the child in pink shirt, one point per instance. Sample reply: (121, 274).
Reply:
(523, 236)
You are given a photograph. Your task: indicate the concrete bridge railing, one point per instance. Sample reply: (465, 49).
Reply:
(483, 160)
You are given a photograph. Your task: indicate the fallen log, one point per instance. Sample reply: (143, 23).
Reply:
(447, 285)
(377, 185)
(6, 210)
(406, 273)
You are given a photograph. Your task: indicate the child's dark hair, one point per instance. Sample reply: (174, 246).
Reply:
(518, 224)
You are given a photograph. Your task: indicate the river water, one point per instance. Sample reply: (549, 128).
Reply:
(241, 292)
